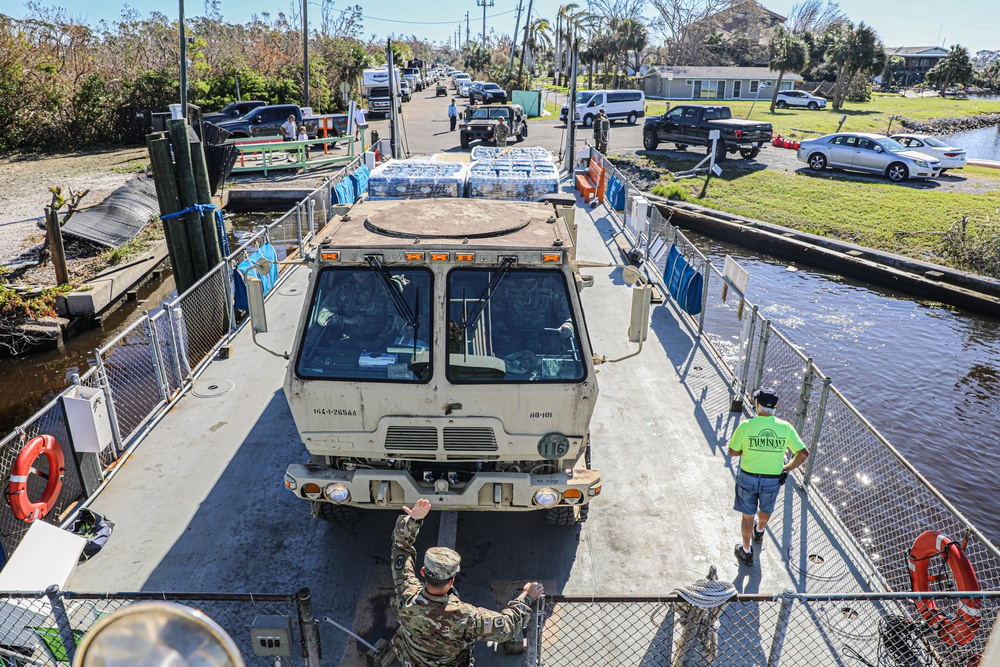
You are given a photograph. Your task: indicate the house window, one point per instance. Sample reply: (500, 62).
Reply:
(754, 87)
(737, 86)
(787, 85)
(706, 90)
(721, 92)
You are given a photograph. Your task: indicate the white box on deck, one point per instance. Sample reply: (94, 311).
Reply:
(47, 555)
(87, 414)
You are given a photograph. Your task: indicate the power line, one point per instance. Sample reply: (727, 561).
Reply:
(377, 18)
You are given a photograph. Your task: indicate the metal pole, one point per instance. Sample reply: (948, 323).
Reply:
(765, 335)
(571, 110)
(393, 109)
(305, 52)
(183, 63)
(62, 621)
(154, 345)
(174, 345)
(803, 406)
(817, 429)
(513, 42)
(749, 351)
(311, 211)
(524, 43)
(230, 296)
(298, 227)
(781, 629)
(102, 376)
(311, 649)
(704, 296)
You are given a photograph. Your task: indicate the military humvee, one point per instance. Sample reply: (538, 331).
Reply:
(480, 120)
(442, 353)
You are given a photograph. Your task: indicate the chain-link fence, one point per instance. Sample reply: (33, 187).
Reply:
(45, 628)
(862, 630)
(141, 371)
(860, 478)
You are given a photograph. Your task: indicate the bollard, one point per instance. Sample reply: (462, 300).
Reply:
(781, 628)
(311, 649)
(62, 622)
(817, 429)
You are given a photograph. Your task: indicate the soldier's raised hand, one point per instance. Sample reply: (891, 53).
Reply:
(421, 509)
(533, 588)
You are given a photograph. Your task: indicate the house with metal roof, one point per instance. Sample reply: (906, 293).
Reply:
(713, 83)
(917, 61)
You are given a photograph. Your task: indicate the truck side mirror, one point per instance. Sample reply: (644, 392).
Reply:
(257, 120)
(255, 297)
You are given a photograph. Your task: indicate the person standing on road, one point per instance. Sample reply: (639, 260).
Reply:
(359, 120)
(435, 626)
(760, 443)
(452, 115)
(501, 132)
(288, 129)
(602, 127)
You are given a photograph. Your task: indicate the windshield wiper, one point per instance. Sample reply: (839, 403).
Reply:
(487, 294)
(395, 296)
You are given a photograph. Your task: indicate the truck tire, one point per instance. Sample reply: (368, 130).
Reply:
(463, 137)
(649, 141)
(338, 515)
(524, 133)
(720, 151)
(565, 516)
(749, 153)
(588, 120)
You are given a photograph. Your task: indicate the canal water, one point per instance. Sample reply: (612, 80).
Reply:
(926, 375)
(982, 144)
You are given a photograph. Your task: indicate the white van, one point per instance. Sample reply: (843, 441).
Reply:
(628, 105)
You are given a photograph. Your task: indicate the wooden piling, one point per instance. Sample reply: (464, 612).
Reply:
(210, 230)
(56, 243)
(188, 195)
(166, 193)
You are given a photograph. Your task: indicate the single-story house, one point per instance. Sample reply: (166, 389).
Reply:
(713, 83)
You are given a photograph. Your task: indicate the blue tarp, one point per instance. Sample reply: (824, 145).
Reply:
(683, 282)
(360, 180)
(247, 268)
(616, 194)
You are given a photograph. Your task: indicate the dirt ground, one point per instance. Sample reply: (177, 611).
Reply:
(24, 190)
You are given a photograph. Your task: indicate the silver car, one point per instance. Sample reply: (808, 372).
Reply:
(872, 153)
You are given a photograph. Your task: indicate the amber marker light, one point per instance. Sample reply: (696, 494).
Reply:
(439, 257)
(462, 257)
(415, 256)
(552, 258)
(330, 256)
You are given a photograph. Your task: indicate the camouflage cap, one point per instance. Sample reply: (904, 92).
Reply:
(441, 563)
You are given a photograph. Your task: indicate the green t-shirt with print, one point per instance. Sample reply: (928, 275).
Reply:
(762, 441)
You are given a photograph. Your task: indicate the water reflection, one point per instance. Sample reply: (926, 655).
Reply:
(926, 375)
(982, 144)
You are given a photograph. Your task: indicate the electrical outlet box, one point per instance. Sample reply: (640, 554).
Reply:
(271, 635)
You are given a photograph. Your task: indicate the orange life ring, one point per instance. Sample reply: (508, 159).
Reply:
(960, 629)
(17, 490)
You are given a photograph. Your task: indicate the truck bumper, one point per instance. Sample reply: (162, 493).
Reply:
(391, 489)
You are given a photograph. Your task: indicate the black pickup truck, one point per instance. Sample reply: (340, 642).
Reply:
(690, 124)
(266, 121)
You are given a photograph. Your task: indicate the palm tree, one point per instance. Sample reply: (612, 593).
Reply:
(538, 35)
(956, 67)
(788, 54)
(573, 22)
(854, 51)
(631, 36)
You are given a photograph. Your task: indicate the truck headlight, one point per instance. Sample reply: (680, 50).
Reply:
(546, 497)
(337, 493)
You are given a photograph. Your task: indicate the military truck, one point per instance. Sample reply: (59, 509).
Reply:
(480, 120)
(442, 353)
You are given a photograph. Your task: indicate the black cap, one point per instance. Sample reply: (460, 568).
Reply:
(766, 396)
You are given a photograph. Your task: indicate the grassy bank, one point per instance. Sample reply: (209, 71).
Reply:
(870, 116)
(867, 211)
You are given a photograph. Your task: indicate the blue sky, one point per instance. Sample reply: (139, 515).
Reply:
(972, 23)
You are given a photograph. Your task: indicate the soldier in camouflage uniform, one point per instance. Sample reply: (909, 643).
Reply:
(501, 132)
(437, 629)
(602, 127)
(359, 307)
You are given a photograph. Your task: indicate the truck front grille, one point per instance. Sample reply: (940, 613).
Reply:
(411, 438)
(474, 439)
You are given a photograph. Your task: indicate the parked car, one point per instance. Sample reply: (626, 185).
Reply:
(463, 88)
(484, 92)
(233, 110)
(690, 125)
(799, 98)
(480, 121)
(458, 77)
(404, 91)
(871, 153)
(627, 105)
(951, 157)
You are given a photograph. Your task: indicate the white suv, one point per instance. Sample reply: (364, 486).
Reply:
(799, 98)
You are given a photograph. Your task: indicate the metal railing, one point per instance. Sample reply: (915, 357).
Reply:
(860, 630)
(854, 473)
(147, 367)
(273, 154)
(45, 628)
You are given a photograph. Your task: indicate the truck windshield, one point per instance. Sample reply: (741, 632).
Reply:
(355, 332)
(379, 92)
(525, 333)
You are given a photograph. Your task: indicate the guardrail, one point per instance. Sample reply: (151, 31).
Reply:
(854, 474)
(44, 628)
(862, 630)
(273, 154)
(148, 366)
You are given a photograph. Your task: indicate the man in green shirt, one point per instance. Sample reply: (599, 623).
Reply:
(760, 443)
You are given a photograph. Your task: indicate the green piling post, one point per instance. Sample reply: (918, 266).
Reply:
(209, 229)
(166, 194)
(188, 195)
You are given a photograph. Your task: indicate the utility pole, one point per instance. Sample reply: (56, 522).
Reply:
(484, 4)
(184, 64)
(571, 110)
(513, 40)
(524, 44)
(305, 53)
(393, 103)
(466, 27)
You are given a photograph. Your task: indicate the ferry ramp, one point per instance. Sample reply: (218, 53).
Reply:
(200, 505)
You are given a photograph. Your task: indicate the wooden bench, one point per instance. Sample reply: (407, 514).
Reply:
(591, 182)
